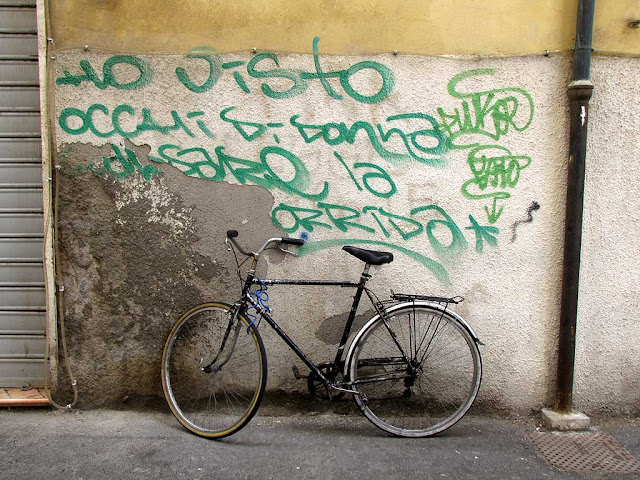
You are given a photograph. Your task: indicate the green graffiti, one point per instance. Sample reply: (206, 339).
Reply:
(400, 138)
(237, 76)
(144, 72)
(121, 166)
(494, 170)
(258, 68)
(300, 181)
(349, 171)
(404, 226)
(329, 216)
(483, 234)
(436, 268)
(458, 242)
(385, 73)
(212, 78)
(197, 162)
(143, 120)
(370, 178)
(266, 66)
(343, 222)
(487, 113)
(303, 218)
(413, 141)
(292, 219)
(376, 220)
(298, 84)
(425, 143)
(249, 130)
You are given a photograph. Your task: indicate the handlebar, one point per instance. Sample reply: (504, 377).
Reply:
(233, 234)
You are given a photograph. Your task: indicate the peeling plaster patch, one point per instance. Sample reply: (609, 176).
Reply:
(136, 190)
(215, 207)
(127, 281)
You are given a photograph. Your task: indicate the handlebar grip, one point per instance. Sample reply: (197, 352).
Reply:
(232, 233)
(292, 241)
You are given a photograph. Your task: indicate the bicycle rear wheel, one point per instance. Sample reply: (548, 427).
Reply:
(214, 370)
(419, 372)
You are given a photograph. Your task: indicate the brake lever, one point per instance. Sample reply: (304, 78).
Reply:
(226, 242)
(284, 250)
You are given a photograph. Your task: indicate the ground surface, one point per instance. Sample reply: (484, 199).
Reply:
(149, 443)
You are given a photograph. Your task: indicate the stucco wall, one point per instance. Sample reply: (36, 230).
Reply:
(457, 165)
(608, 351)
(168, 152)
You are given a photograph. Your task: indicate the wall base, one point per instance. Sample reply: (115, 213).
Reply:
(573, 421)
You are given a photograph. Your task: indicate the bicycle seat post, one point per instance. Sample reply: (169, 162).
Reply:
(365, 274)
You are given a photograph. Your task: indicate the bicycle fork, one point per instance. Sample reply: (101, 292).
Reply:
(216, 364)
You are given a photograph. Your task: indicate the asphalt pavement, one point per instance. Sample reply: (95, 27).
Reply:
(150, 443)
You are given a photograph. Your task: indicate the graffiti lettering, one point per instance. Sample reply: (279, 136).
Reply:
(197, 162)
(212, 79)
(371, 180)
(386, 75)
(483, 234)
(413, 139)
(298, 84)
(373, 219)
(76, 122)
(486, 113)
(494, 170)
(478, 120)
(257, 67)
(422, 143)
(249, 130)
(122, 167)
(443, 234)
(299, 80)
(143, 71)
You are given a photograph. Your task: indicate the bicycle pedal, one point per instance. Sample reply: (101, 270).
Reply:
(297, 374)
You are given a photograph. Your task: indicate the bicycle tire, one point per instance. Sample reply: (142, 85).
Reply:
(435, 388)
(221, 401)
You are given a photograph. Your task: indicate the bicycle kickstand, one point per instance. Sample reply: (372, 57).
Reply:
(345, 390)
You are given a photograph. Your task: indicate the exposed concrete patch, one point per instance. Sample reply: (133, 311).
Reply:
(134, 255)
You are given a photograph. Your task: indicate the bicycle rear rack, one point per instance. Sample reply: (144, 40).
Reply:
(408, 297)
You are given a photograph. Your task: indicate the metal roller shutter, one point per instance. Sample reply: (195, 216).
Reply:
(22, 294)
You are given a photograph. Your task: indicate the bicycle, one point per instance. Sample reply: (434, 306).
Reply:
(414, 369)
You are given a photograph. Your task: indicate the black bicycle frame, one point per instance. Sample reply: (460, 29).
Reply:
(360, 287)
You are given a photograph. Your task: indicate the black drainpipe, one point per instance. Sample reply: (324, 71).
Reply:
(579, 90)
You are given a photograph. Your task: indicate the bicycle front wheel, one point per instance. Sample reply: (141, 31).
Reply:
(214, 370)
(418, 371)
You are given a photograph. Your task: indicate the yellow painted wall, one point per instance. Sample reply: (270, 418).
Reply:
(428, 27)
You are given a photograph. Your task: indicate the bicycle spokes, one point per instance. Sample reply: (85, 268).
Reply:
(419, 370)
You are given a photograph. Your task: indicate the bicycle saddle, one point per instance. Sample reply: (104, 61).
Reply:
(369, 256)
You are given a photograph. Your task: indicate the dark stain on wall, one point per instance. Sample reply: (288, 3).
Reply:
(530, 209)
(331, 329)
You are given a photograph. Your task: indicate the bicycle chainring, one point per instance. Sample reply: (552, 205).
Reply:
(318, 389)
